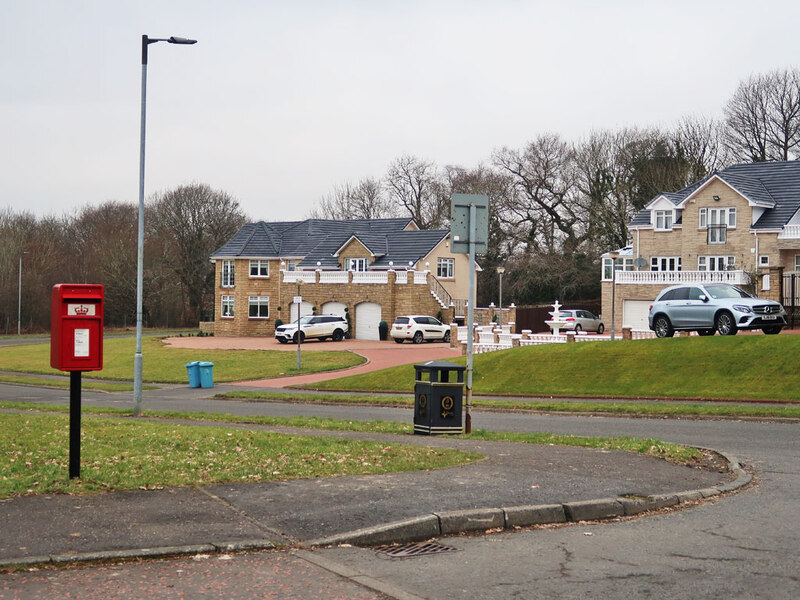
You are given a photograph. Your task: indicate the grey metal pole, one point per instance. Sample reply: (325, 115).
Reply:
(19, 299)
(299, 337)
(470, 314)
(613, 293)
(137, 357)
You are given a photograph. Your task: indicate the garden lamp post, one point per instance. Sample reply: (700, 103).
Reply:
(137, 358)
(614, 256)
(500, 271)
(299, 300)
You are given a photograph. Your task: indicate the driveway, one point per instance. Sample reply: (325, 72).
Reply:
(379, 355)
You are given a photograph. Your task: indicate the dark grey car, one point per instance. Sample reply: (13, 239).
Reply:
(711, 307)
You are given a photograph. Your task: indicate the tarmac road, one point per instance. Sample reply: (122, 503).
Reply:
(742, 546)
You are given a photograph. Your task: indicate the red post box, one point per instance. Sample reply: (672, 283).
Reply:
(76, 327)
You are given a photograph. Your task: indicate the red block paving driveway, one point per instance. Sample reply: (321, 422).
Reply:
(379, 355)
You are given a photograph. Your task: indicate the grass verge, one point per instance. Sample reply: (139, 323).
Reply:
(59, 383)
(740, 367)
(123, 455)
(684, 409)
(167, 365)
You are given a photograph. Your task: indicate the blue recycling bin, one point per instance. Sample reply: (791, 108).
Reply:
(193, 371)
(206, 374)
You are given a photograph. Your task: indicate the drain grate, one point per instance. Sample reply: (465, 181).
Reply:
(414, 549)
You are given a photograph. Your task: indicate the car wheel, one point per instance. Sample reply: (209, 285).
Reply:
(302, 337)
(446, 337)
(600, 329)
(772, 330)
(399, 340)
(338, 335)
(663, 327)
(725, 324)
(578, 328)
(418, 338)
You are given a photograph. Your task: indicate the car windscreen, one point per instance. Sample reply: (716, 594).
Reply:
(726, 291)
(401, 320)
(565, 314)
(305, 320)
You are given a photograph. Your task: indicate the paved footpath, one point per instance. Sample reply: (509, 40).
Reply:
(515, 485)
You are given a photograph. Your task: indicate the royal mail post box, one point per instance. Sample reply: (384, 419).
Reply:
(76, 327)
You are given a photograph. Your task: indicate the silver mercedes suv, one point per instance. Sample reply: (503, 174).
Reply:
(711, 307)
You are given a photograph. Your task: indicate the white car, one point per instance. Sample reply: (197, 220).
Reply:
(320, 327)
(419, 328)
(581, 320)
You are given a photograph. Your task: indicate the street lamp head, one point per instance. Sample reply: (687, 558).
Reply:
(501, 270)
(181, 40)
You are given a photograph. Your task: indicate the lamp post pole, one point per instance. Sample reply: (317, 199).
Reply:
(137, 357)
(614, 257)
(299, 332)
(500, 271)
(19, 298)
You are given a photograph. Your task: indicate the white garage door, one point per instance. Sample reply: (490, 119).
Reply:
(368, 316)
(306, 308)
(634, 314)
(334, 308)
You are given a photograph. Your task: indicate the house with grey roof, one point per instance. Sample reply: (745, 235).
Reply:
(739, 225)
(366, 270)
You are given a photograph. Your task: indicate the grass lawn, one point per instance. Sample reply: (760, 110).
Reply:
(64, 383)
(746, 367)
(167, 365)
(124, 454)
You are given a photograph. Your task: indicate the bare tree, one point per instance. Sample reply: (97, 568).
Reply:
(762, 118)
(190, 222)
(420, 190)
(365, 200)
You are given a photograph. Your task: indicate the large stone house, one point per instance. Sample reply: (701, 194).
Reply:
(740, 225)
(374, 270)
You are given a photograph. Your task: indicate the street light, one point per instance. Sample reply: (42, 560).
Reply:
(137, 358)
(614, 256)
(500, 271)
(19, 300)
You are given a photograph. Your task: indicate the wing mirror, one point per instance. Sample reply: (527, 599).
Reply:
(703, 297)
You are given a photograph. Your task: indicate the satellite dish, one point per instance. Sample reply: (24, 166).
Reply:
(640, 262)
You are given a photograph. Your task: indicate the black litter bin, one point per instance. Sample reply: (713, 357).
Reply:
(438, 398)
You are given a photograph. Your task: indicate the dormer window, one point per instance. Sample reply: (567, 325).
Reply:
(663, 220)
(357, 264)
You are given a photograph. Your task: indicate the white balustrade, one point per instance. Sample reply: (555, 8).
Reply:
(676, 277)
(401, 277)
(304, 276)
(790, 232)
(370, 277)
(333, 277)
(421, 277)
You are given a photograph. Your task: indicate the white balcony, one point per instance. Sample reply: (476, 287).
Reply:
(370, 277)
(676, 277)
(333, 277)
(790, 232)
(295, 276)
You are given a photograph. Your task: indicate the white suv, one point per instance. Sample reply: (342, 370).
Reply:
(419, 328)
(320, 327)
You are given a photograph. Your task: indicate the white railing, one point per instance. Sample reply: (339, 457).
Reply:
(421, 277)
(333, 277)
(370, 277)
(401, 277)
(790, 232)
(304, 276)
(674, 277)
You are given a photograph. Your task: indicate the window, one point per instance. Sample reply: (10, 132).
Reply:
(444, 268)
(716, 263)
(291, 265)
(663, 219)
(259, 268)
(621, 264)
(227, 273)
(765, 285)
(258, 307)
(717, 221)
(665, 263)
(797, 262)
(357, 264)
(763, 260)
(227, 306)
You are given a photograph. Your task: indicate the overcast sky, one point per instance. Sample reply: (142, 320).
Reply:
(280, 101)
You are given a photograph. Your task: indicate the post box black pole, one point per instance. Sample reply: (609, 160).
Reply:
(74, 424)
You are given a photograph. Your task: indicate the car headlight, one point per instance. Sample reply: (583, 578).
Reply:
(742, 308)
